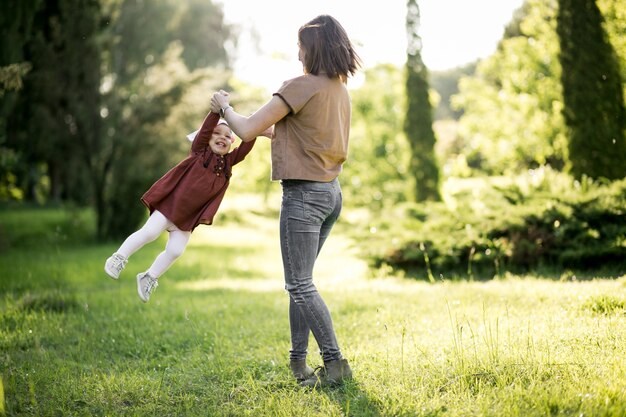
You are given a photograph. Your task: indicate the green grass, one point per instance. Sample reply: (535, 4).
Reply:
(214, 339)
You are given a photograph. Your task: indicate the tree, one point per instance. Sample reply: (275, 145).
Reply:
(16, 29)
(592, 92)
(59, 92)
(512, 105)
(202, 31)
(446, 84)
(418, 123)
(96, 109)
(614, 12)
(144, 79)
(377, 141)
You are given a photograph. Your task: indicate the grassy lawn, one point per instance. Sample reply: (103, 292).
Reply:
(214, 339)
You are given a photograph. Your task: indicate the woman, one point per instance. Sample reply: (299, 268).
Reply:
(311, 118)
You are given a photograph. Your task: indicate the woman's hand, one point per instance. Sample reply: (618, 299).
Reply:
(269, 132)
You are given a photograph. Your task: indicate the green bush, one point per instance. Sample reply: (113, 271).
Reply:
(540, 220)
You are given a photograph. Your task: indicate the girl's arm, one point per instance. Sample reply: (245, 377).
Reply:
(241, 151)
(202, 138)
(248, 128)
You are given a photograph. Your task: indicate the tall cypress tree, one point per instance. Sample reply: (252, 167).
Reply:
(592, 92)
(419, 119)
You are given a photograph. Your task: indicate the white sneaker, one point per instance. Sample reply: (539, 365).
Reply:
(114, 265)
(146, 284)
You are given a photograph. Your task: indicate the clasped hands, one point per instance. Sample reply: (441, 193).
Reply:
(221, 100)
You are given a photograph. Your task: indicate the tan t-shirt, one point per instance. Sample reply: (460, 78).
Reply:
(311, 142)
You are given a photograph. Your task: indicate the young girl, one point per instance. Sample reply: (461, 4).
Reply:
(187, 195)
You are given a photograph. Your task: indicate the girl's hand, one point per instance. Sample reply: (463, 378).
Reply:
(215, 107)
(219, 101)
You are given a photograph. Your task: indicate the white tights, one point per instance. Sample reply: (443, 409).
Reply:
(156, 224)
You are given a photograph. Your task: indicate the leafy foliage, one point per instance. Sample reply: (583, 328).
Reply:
(377, 167)
(551, 221)
(614, 22)
(446, 84)
(512, 105)
(147, 75)
(93, 123)
(55, 98)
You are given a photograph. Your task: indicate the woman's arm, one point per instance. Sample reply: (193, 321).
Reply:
(248, 128)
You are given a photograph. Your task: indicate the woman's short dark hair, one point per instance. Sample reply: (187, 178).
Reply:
(327, 48)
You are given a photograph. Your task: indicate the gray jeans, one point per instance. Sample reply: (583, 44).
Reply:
(308, 212)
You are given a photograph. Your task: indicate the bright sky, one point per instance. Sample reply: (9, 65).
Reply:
(454, 32)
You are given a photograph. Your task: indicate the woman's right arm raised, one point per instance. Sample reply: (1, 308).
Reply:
(248, 128)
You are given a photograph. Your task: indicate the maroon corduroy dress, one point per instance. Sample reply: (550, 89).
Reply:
(190, 193)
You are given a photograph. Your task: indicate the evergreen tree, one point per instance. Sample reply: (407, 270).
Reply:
(59, 101)
(592, 92)
(418, 122)
(614, 14)
(16, 29)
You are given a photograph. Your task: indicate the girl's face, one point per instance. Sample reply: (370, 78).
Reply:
(221, 139)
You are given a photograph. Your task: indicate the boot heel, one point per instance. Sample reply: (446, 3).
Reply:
(300, 370)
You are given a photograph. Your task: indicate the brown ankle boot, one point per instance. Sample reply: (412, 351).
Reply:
(301, 371)
(333, 373)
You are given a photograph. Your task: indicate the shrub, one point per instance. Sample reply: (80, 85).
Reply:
(541, 219)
